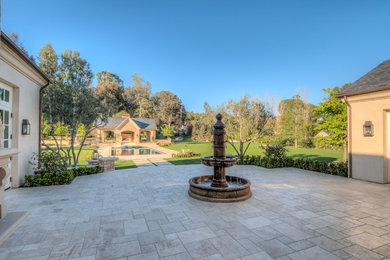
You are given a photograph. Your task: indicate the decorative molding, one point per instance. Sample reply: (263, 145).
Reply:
(18, 64)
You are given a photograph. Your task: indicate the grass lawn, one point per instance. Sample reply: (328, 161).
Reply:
(124, 164)
(205, 148)
(86, 153)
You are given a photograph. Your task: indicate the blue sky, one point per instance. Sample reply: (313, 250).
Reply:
(213, 50)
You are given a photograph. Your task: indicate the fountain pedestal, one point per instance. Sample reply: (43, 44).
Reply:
(219, 187)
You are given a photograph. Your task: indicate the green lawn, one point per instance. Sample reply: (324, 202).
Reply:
(205, 148)
(86, 153)
(124, 164)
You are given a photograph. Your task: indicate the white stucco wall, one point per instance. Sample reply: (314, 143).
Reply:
(26, 84)
(370, 153)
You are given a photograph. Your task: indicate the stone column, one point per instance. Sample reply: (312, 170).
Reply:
(102, 134)
(107, 163)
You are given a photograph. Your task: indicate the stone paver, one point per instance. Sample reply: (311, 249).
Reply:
(313, 253)
(275, 248)
(196, 234)
(145, 213)
(201, 248)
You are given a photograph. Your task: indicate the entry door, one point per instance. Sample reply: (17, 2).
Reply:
(5, 116)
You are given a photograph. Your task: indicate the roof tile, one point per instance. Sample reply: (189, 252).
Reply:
(377, 78)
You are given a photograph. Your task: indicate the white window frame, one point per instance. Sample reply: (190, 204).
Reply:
(6, 106)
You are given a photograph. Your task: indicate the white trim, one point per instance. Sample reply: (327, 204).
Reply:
(18, 64)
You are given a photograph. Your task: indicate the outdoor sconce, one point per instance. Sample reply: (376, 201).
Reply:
(26, 127)
(368, 129)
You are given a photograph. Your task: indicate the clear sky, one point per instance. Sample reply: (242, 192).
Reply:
(213, 50)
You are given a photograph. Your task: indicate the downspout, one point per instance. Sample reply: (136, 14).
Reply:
(349, 138)
(40, 116)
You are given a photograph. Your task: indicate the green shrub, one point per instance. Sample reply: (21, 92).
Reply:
(80, 171)
(276, 151)
(59, 178)
(334, 168)
(48, 178)
(50, 161)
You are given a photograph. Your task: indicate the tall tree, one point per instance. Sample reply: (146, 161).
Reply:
(332, 118)
(138, 97)
(246, 122)
(48, 61)
(49, 64)
(202, 123)
(170, 110)
(110, 92)
(106, 76)
(296, 120)
(74, 103)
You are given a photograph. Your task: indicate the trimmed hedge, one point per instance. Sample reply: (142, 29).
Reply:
(334, 168)
(80, 171)
(58, 178)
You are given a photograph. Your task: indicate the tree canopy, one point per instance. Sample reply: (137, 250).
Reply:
(245, 122)
(110, 92)
(106, 76)
(169, 110)
(70, 102)
(332, 118)
(139, 98)
(296, 121)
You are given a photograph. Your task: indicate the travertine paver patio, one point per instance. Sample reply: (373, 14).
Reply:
(145, 213)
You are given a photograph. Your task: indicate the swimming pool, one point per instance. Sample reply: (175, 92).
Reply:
(133, 150)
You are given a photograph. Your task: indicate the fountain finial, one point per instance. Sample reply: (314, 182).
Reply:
(219, 124)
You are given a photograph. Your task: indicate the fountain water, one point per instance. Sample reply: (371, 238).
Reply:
(219, 187)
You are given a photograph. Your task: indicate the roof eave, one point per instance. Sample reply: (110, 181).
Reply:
(149, 129)
(22, 55)
(355, 93)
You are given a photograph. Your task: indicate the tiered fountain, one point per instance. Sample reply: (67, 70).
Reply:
(219, 187)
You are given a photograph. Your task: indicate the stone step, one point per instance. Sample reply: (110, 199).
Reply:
(160, 162)
(151, 162)
(142, 162)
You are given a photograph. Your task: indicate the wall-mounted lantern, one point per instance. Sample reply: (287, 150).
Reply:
(368, 129)
(26, 127)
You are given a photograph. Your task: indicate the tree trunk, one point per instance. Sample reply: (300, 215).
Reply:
(296, 142)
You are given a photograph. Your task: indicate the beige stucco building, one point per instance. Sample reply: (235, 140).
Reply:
(127, 130)
(21, 82)
(368, 101)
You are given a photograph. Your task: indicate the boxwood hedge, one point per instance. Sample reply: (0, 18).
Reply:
(60, 177)
(334, 168)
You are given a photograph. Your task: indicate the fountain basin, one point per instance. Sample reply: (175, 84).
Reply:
(201, 189)
(219, 162)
